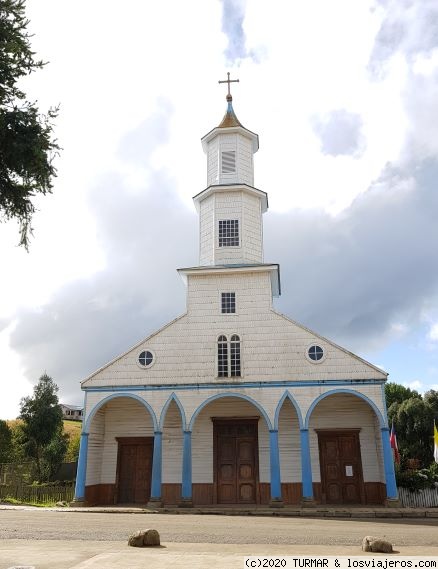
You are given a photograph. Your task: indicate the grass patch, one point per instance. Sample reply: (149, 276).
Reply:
(15, 502)
(72, 427)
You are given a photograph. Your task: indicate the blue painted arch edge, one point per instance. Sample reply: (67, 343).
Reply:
(101, 403)
(348, 392)
(223, 395)
(287, 395)
(175, 398)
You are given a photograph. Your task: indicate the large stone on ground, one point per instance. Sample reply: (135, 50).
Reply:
(144, 538)
(151, 538)
(376, 545)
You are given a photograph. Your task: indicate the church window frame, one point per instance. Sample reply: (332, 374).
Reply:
(315, 353)
(222, 356)
(229, 356)
(145, 359)
(228, 303)
(228, 233)
(235, 356)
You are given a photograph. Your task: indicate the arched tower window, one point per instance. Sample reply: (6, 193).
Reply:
(222, 356)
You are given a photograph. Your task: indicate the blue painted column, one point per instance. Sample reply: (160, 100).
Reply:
(306, 466)
(82, 469)
(156, 469)
(276, 498)
(388, 462)
(186, 490)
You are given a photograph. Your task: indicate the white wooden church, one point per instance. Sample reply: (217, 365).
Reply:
(232, 402)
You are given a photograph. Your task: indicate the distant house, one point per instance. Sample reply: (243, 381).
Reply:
(72, 412)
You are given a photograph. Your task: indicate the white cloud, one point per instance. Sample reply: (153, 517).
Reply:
(433, 333)
(138, 91)
(415, 385)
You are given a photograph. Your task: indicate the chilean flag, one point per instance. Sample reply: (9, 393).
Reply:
(394, 446)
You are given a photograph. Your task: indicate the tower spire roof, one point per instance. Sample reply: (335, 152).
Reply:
(231, 122)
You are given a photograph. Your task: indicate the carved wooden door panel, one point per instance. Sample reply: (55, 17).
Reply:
(226, 469)
(134, 470)
(245, 470)
(236, 462)
(341, 467)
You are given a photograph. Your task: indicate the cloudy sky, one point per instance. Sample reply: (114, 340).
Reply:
(344, 98)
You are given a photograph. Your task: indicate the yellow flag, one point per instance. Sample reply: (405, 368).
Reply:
(435, 440)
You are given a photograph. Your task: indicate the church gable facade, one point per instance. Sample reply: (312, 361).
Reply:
(232, 402)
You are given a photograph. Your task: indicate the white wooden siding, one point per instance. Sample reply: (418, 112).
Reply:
(289, 443)
(273, 347)
(244, 173)
(172, 445)
(95, 447)
(213, 162)
(252, 229)
(206, 231)
(349, 412)
(247, 209)
(202, 437)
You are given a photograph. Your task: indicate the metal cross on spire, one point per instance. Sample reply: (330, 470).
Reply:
(229, 97)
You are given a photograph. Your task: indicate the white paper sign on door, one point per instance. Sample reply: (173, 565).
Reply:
(348, 470)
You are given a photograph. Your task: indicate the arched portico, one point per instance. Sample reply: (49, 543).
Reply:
(120, 433)
(347, 462)
(230, 453)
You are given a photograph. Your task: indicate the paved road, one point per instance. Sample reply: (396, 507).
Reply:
(55, 525)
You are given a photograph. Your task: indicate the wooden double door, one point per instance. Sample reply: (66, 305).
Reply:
(134, 470)
(341, 467)
(236, 461)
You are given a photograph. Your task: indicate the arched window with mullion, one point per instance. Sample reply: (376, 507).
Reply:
(235, 370)
(222, 356)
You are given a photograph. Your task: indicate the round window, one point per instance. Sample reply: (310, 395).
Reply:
(315, 353)
(145, 359)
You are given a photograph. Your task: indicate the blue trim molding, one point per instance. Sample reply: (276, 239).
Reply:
(82, 468)
(157, 466)
(96, 408)
(306, 465)
(241, 385)
(220, 396)
(388, 462)
(275, 465)
(346, 392)
(186, 490)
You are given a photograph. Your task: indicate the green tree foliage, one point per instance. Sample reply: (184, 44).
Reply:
(5, 442)
(413, 417)
(27, 147)
(18, 440)
(73, 447)
(413, 420)
(431, 399)
(396, 393)
(42, 428)
(54, 454)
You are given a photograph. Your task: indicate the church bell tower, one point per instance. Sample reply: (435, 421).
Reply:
(230, 208)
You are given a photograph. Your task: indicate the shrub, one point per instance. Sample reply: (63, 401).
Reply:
(416, 480)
